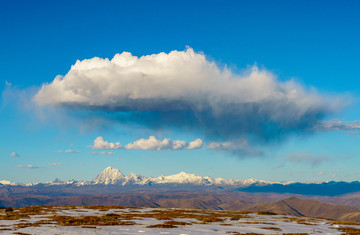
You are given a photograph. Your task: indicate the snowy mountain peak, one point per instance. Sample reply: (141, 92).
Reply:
(109, 176)
(182, 178)
(6, 182)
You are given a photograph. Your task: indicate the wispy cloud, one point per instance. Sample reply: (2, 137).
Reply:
(68, 151)
(28, 166)
(55, 164)
(107, 153)
(279, 166)
(103, 153)
(152, 143)
(13, 154)
(307, 158)
(337, 124)
(239, 147)
(99, 143)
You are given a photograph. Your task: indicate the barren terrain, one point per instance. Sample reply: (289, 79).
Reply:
(136, 220)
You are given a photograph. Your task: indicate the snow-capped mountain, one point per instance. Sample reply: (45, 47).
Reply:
(112, 176)
(109, 176)
(112, 181)
(6, 182)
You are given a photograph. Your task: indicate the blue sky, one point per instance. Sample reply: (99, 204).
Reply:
(314, 43)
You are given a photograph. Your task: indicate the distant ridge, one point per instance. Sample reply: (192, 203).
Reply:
(296, 206)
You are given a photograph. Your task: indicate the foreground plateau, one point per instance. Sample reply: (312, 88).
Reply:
(146, 220)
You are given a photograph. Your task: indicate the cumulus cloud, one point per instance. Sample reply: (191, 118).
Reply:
(99, 143)
(55, 164)
(13, 154)
(68, 151)
(196, 144)
(166, 144)
(27, 166)
(307, 158)
(184, 89)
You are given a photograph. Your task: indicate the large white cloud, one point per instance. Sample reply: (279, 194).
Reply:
(166, 144)
(186, 90)
(99, 143)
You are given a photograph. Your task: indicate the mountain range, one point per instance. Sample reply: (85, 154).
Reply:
(112, 180)
(114, 177)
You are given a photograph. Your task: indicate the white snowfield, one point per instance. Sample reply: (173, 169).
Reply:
(231, 223)
(114, 176)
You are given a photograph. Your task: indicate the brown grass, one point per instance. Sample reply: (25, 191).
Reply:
(90, 220)
(304, 221)
(13, 216)
(9, 209)
(257, 222)
(295, 234)
(36, 224)
(88, 226)
(106, 208)
(237, 233)
(203, 217)
(238, 217)
(349, 230)
(172, 222)
(25, 225)
(272, 228)
(36, 210)
(161, 226)
(346, 223)
(265, 213)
